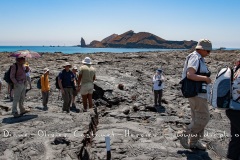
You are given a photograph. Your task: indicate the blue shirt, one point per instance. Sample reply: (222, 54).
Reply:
(67, 78)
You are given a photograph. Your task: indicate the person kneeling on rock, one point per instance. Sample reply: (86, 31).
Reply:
(158, 87)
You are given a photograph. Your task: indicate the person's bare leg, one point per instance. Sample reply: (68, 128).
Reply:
(89, 97)
(84, 100)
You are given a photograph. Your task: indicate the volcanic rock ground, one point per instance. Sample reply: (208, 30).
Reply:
(138, 131)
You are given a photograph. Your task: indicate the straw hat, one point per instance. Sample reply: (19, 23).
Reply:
(204, 44)
(67, 64)
(75, 67)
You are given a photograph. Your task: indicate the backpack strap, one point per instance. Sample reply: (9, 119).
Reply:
(238, 99)
(16, 69)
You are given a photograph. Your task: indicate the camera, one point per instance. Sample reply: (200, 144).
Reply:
(159, 82)
(204, 84)
(208, 74)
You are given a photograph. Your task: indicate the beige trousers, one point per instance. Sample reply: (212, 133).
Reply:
(200, 117)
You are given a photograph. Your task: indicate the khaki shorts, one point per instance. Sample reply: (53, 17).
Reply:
(86, 89)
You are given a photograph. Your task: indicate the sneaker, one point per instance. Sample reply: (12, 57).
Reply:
(184, 140)
(198, 145)
(24, 112)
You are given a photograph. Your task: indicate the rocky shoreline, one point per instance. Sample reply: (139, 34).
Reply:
(137, 130)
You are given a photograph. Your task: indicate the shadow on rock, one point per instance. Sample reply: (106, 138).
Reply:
(83, 155)
(195, 154)
(159, 109)
(39, 108)
(12, 120)
(61, 140)
(27, 90)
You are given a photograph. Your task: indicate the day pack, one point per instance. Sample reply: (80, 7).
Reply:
(39, 83)
(190, 88)
(221, 94)
(7, 74)
(56, 83)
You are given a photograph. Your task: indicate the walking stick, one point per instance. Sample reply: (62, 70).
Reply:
(107, 140)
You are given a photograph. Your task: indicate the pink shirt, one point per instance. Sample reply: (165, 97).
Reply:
(20, 76)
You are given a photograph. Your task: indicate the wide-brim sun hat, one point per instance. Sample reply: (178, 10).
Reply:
(75, 67)
(204, 44)
(67, 64)
(45, 70)
(87, 60)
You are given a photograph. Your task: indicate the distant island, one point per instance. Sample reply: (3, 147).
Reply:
(138, 40)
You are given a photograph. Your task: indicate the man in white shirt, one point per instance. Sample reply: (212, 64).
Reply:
(198, 104)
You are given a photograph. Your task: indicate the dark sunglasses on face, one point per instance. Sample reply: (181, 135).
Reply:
(208, 51)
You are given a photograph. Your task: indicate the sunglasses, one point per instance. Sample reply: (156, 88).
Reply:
(208, 51)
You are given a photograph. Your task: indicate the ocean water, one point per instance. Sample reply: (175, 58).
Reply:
(71, 50)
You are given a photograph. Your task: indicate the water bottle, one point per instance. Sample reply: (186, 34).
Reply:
(204, 88)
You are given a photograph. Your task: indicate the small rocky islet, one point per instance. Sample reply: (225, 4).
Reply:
(124, 109)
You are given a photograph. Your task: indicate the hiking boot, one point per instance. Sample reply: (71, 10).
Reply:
(183, 137)
(24, 112)
(65, 110)
(16, 115)
(198, 145)
(73, 108)
(73, 105)
(45, 108)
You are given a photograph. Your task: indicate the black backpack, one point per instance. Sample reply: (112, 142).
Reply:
(7, 74)
(39, 83)
(56, 83)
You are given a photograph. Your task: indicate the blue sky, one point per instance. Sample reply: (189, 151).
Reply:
(59, 22)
